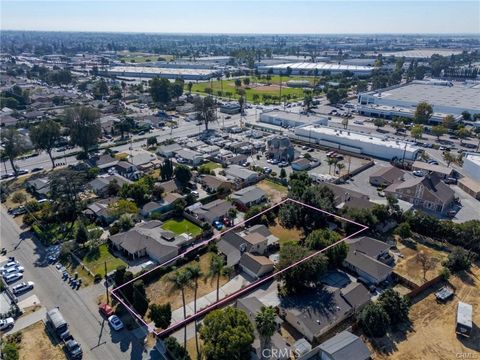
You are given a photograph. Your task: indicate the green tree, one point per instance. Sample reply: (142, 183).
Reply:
(177, 351)
(283, 173)
(82, 234)
(180, 280)
(119, 275)
(122, 206)
(45, 137)
(448, 157)
(195, 273)
(438, 131)
(403, 230)
(205, 110)
(161, 90)
(333, 96)
(448, 122)
(395, 305)
(227, 334)
(238, 83)
(374, 320)
(125, 125)
(265, 322)
(462, 133)
(177, 88)
(100, 89)
(379, 123)
(423, 113)
(307, 101)
(84, 125)
(417, 131)
(217, 265)
(466, 116)
(14, 145)
(10, 352)
(459, 259)
(189, 87)
(140, 300)
(321, 238)
(19, 197)
(397, 124)
(305, 275)
(166, 170)
(161, 314)
(183, 174)
(152, 141)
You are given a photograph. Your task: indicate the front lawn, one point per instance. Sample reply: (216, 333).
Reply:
(95, 260)
(211, 165)
(180, 226)
(285, 235)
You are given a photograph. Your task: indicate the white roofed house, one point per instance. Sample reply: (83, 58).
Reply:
(249, 196)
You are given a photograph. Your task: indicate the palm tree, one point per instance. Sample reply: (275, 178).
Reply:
(216, 269)
(265, 322)
(180, 280)
(195, 273)
(340, 166)
(330, 162)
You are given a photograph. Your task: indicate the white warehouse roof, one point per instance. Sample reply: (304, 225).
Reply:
(306, 66)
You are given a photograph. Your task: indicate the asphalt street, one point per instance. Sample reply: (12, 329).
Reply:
(86, 324)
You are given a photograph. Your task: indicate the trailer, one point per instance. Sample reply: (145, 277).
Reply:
(464, 319)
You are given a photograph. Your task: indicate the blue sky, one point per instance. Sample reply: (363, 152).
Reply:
(261, 16)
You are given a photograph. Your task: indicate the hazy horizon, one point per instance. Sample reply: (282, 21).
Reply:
(245, 18)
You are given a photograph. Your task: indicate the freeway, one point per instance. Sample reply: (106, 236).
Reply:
(87, 326)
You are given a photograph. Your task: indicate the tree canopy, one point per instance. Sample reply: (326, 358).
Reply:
(45, 137)
(84, 125)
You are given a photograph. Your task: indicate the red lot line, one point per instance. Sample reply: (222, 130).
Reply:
(247, 288)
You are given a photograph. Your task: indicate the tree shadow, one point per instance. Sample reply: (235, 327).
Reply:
(388, 344)
(467, 277)
(93, 254)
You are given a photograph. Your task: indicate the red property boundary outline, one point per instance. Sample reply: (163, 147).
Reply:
(241, 291)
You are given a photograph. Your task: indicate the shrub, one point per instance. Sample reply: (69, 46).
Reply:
(10, 352)
(97, 278)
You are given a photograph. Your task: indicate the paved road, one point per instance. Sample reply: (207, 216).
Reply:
(86, 324)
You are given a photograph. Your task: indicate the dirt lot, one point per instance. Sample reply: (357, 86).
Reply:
(37, 345)
(162, 290)
(275, 192)
(285, 235)
(411, 269)
(432, 336)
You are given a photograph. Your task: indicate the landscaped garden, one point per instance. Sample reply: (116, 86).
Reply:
(180, 226)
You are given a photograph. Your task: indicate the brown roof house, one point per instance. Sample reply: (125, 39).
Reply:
(212, 184)
(255, 265)
(386, 176)
(428, 193)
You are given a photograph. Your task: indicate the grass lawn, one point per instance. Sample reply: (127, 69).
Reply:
(182, 226)
(285, 235)
(162, 291)
(36, 344)
(257, 86)
(211, 165)
(95, 260)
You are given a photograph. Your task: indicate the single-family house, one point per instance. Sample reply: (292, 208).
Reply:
(168, 151)
(100, 184)
(241, 176)
(429, 193)
(163, 205)
(40, 188)
(342, 346)
(190, 157)
(213, 184)
(143, 159)
(255, 265)
(249, 196)
(127, 170)
(215, 210)
(103, 162)
(99, 210)
(386, 176)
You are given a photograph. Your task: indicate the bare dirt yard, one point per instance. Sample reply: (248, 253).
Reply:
(276, 192)
(36, 344)
(410, 268)
(285, 235)
(432, 335)
(162, 291)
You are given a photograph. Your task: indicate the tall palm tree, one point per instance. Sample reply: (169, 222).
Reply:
(340, 166)
(265, 324)
(216, 269)
(180, 280)
(330, 162)
(195, 273)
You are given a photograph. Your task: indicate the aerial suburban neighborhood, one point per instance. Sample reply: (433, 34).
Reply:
(209, 192)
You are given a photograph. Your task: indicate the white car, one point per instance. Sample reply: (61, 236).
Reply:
(6, 323)
(9, 264)
(418, 173)
(14, 269)
(115, 322)
(22, 287)
(11, 278)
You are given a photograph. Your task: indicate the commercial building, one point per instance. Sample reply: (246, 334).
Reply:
(168, 73)
(401, 100)
(471, 165)
(230, 108)
(291, 119)
(306, 68)
(280, 148)
(380, 147)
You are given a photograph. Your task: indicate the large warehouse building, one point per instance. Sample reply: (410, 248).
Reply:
(290, 119)
(401, 100)
(471, 165)
(383, 148)
(168, 73)
(305, 68)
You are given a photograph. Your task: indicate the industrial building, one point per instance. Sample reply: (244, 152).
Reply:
(446, 98)
(471, 165)
(307, 68)
(379, 147)
(151, 72)
(291, 119)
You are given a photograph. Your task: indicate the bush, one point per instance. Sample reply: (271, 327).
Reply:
(176, 350)
(459, 259)
(97, 278)
(10, 352)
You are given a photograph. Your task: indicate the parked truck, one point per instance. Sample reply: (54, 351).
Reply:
(57, 324)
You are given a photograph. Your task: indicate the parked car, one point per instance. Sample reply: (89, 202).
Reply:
(283, 164)
(9, 264)
(227, 221)
(7, 175)
(418, 173)
(115, 322)
(23, 287)
(106, 310)
(450, 180)
(6, 323)
(11, 278)
(217, 225)
(433, 162)
(37, 169)
(74, 349)
(12, 270)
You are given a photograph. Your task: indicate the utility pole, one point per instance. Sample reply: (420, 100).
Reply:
(106, 283)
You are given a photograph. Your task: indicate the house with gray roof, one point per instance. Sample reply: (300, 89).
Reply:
(168, 151)
(212, 211)
(190, 157)
(99, 210)
(255, 265)
(342, 346)
(249, 196)
(241, 176)
(100, 184)
(103, 162)
(40, 188)
(386, 176)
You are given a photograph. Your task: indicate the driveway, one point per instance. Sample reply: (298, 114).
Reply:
(27, 320)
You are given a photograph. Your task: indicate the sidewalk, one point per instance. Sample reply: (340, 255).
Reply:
(25, 321)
